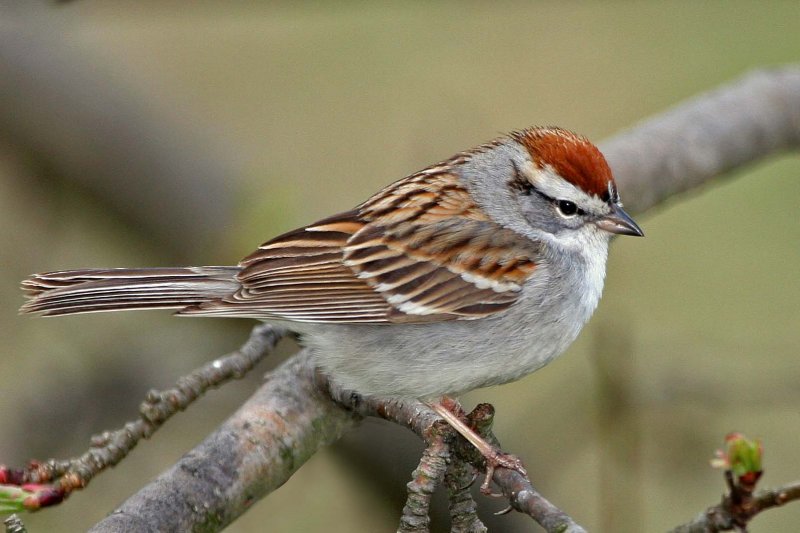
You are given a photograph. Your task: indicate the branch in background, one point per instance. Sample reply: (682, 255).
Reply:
(667, 155)
(703, 138)
(62, 105)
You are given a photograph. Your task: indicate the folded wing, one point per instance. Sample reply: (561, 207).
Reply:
(419, 251)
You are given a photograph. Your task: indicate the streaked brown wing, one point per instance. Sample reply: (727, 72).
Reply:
(300, 276)
(419, 251)
(453, 269)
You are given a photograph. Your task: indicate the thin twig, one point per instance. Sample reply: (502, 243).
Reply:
(251, 454)
(723, 516)
(525, 499)
(110, 447)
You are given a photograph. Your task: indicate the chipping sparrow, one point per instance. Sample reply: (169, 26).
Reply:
(473, 272)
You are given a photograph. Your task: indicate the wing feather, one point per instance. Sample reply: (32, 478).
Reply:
(419, 251)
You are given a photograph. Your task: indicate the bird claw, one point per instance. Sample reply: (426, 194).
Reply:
(495, 458)
(512, 462)
(504, 511)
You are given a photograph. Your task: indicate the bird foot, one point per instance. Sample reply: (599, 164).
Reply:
(496, 458)
(452, 413)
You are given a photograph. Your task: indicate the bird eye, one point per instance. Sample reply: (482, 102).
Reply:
(567, 209)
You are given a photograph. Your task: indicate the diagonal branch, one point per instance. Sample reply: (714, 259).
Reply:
(83, 122)
(700, 140)
(47, 483)
(287, 419)
(253, 453)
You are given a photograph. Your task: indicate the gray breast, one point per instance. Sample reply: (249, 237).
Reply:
(430, 360)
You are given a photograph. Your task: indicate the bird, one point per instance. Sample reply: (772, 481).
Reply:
(472, 272)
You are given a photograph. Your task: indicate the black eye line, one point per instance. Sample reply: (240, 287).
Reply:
(555, 201)
(543, 195)
(520, 183)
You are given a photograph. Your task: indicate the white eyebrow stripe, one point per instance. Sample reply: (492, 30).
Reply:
(546, 180)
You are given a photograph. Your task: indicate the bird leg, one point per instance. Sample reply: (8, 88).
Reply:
(448, 408)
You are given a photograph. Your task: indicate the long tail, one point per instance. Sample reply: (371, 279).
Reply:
(69, 292)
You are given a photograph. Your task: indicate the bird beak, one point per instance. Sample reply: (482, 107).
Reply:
(619, 222)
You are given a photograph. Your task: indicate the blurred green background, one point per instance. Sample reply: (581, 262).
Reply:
(287, 112)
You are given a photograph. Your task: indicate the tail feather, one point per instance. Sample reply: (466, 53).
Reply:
(69, 292)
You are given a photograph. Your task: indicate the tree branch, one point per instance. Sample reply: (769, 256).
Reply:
(424, 480)
(287, 420)
(719, 517)
(78, 117)
(419, 418)
(253, 453)
(701, 139)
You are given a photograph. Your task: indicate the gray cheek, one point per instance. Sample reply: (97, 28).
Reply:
(539, 213)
